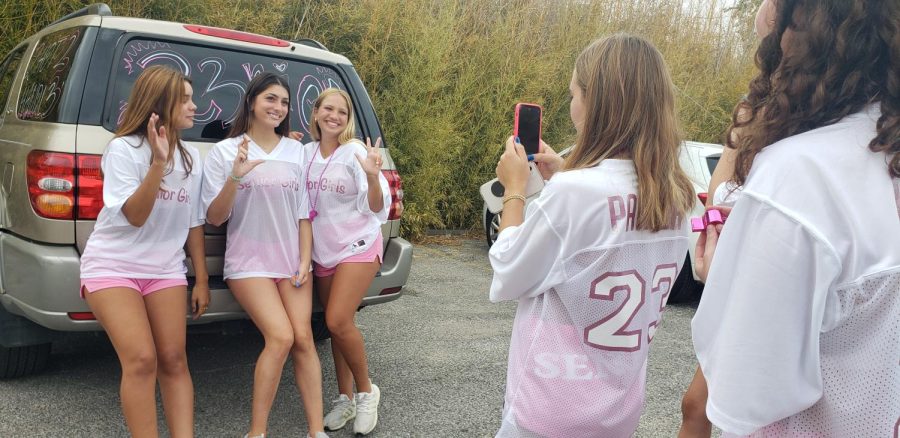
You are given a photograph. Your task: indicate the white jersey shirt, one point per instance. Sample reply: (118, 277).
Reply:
(798, 332)
(338, 190)
(263, 238)
(155, 250)
(591, 291)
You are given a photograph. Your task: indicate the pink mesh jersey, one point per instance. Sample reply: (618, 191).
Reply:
(591, 292)
(798, 332)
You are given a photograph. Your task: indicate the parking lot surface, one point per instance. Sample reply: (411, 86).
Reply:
(438, 354)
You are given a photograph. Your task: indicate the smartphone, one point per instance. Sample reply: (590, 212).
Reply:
(528, 126)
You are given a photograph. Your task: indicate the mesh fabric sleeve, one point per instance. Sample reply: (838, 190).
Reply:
(122, 175)
(527, 259)
(215, 171)
(756, 331)
(198, 211)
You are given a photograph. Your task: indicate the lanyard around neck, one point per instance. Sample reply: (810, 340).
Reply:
(313, 203)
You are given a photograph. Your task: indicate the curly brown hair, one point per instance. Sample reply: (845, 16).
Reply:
(841, 56)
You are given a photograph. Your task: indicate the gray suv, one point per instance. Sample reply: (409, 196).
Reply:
(62, 92)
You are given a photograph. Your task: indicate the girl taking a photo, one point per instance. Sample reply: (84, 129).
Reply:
(592, 260)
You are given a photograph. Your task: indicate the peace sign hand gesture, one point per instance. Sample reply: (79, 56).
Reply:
(159, 141)
(371, 164)
(242, 166)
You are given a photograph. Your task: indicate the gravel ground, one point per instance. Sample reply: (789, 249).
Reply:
(438, 354)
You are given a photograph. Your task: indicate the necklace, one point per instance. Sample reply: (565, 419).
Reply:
(313, 202)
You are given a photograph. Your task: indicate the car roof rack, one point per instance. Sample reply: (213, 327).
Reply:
(101, 9)
(311, 43)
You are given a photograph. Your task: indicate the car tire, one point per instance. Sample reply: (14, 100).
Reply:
(491, 226)
(319, 327)
(686, 289)
(23, 361)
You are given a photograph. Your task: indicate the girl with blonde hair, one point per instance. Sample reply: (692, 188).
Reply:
(349, 200)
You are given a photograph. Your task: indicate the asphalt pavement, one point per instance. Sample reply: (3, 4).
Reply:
(438, 354)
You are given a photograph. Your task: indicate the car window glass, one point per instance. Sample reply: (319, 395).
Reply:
(712, 161)
(219, 78)
(8, 69)
(48, 71)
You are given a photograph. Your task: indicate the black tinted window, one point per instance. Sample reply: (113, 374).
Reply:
(45, 79)
(8, 69)
(219, 79)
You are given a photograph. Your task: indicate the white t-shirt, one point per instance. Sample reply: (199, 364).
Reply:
(798, 332)
(726, 194)
(338, 190)
(155, 250)
(263, 238)
(591, 290)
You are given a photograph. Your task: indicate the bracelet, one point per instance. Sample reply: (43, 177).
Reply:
(234, 178)
(511, 197)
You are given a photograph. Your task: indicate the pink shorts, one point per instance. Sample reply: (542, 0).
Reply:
(145, 286)
(373, 253)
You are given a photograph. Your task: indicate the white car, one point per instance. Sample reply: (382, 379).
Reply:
(698, 160)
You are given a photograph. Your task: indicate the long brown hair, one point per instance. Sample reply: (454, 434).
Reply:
(260, 83)
(157, 90)
(630, 112)
(841, 56)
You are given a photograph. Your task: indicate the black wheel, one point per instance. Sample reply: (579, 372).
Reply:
(686, 289)
(23, 361)
(319, 328)
(491, 226)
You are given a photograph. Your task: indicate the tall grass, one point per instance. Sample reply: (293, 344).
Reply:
(445, 75)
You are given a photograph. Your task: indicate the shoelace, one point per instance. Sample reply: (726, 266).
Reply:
(366, 403)
(343, 405)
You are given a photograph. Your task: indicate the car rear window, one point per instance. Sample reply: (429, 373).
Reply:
(219, 78)
(46, 80)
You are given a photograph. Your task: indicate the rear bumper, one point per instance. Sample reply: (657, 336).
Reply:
(40, 282)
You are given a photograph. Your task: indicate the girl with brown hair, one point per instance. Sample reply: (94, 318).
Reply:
(132, 269)
(796, 333)
(592, 260)
(253, 180)
(723, 193)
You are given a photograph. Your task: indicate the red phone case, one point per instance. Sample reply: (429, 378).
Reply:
(540, 121)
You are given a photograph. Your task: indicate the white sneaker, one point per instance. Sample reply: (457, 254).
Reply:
(318, 435)
(366, 410)
(343, 409)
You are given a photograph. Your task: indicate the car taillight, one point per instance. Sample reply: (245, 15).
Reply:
(396, 185)
(81, 316)
(237, 35)
(90, 187)
(390, 290)
(51, 184)
(60, 189)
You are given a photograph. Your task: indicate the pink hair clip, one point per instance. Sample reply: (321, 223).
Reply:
(711, 217)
